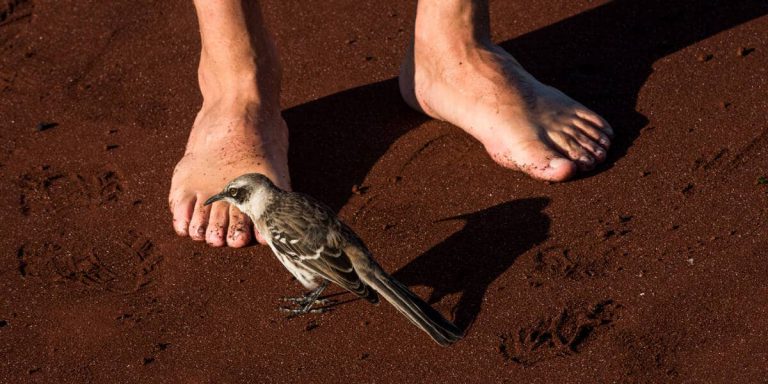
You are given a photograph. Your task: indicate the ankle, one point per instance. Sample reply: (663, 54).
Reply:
(454, 25)
(245, 124)
(240, 80)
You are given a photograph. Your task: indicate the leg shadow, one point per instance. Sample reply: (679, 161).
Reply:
(335, 141)
(471, 259)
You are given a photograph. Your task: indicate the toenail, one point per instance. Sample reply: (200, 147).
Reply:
(558, 162)
(599, 152)
(585, 160)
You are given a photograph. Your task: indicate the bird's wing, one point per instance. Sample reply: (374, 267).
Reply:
(310, 235)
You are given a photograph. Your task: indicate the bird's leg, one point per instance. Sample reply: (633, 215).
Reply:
(306, 302)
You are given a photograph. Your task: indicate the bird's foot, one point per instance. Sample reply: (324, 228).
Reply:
(304, 304)
(304, 300)
(294, 312)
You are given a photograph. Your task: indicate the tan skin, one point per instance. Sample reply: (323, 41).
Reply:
(453, 72)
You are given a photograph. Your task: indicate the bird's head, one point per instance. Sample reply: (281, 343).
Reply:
(249, 193)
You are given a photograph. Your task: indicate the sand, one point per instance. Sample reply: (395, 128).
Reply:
(653, 268)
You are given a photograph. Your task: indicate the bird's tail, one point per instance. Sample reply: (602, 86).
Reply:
(413, 307)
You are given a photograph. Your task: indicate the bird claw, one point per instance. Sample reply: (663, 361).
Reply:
(304, 305)
(294, 312)
(304, 300)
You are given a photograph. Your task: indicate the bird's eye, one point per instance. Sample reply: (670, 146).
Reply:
(233, 192)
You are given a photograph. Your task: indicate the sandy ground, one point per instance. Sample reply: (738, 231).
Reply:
(653, 268)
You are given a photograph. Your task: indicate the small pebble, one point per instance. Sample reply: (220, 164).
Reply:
(690, 261)
(359, 190)
(724, 104)
(743, 51)
(110, 147)
(704, 57)
(43, 126)
(605, 233)
(149, 360)
(311, 325)
(625, 218)
(3, 323)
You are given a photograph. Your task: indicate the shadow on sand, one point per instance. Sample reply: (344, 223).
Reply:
(601, 57)
(470, 260)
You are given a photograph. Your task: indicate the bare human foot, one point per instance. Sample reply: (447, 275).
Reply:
(239, 128)
(455, 73)
(226, 141)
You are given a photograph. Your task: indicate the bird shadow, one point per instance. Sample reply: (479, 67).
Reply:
(601, 57)
(468, 261)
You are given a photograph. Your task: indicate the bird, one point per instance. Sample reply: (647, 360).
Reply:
(316, 247)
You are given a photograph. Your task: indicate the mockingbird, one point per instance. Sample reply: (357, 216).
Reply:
(316, 247)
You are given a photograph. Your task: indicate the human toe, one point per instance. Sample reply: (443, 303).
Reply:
(199, 222)
(238, 234)
(570, 146)
(217, 224)
(597, 134)
(259, 237)
(539, 160)
(586, 142)
(596, 120)
(181, 209)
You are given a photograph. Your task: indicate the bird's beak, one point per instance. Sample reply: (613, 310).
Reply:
(214, 198)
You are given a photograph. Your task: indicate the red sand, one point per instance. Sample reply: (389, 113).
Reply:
(651, 269)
